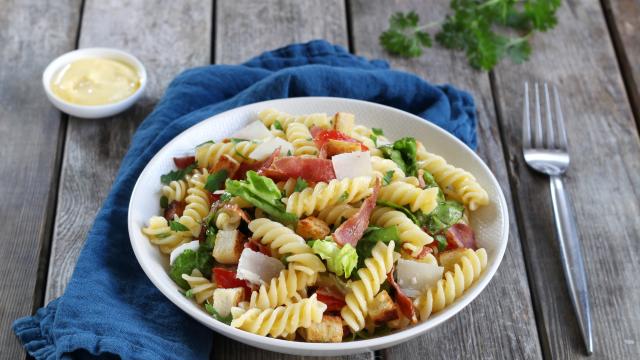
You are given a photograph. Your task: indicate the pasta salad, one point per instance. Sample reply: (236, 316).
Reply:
(314, 228)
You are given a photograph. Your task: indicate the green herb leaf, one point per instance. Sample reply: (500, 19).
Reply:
(442, 241)
(176, 175)
(403, 153)
(443, 216)
(344, 196)
(262, 193)
(164, 202)
(278, 126)
(176, 226)
(388, 176)
(189, 293)
(301, 184)
(371, 236)
(429, 180)
(215, 180)
(404, 37)
(211, 310)
(375, 132)
(206, 142)
(225, 197)
(189, 260)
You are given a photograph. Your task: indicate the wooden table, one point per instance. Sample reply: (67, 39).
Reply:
(56, 170)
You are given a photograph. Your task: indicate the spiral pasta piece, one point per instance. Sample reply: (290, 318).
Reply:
(337, 214)
(283, 240)
(411, 235)
(363, 134)
(455, 282)
(281, 321)
(175, 191)
(364, 290)
(287, 186)
(227, 220)
(402, 194)
(323, 195)
(456, 183)
(159, 233)
(208, 155)
(281, 290)
(300, 137)
(381, 166)
(201, 287)
(197, 203)
(270, 116)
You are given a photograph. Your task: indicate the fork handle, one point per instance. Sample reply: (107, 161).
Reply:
(571, 256)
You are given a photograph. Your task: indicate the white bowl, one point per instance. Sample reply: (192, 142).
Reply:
(93, 111)
(490, 222)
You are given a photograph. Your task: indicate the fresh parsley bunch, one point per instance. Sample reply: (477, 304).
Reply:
(486, 30)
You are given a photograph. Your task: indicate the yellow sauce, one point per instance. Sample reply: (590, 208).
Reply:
(95, 81)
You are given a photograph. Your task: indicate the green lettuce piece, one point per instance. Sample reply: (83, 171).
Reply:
(340, 260)
(261, 192)
(443, 216)
(189, 260)
(429, 180)
(371, 237)
(403, 153)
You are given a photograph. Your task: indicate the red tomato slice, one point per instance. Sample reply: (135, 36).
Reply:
(227, 278)
(183, 162)
(333, 299)
(321, 137)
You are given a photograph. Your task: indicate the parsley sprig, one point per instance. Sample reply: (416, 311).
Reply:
(487, 31)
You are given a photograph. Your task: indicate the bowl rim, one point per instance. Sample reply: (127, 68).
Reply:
(100, 52)
(348, 347)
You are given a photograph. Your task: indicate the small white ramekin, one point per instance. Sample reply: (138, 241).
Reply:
(93, 111)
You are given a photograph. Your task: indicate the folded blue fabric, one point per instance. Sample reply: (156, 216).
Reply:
(110, 307)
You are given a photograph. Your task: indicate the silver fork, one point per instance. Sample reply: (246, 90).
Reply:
(551, 157)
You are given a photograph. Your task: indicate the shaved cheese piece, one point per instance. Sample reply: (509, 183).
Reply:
(257, 268)
(352, 165)
(254, 131)
(267, 148)
(415, 277)
(194, 245)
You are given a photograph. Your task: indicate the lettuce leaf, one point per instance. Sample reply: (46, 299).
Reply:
(443, 216)
(189, 260)
(371, 237)
(263, 193)
(340, 260)
(403, 153)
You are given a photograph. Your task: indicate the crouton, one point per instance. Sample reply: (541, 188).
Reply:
(225, 162)
(328, 330)
(312, 228)
(448, 259)
(382, 308)
(344, 122)
(228, 246)
(225, 299)
(335, 147)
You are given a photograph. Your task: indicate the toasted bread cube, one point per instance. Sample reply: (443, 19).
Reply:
(328, 330)
(448, 259)
(225, 162)
(382, 308)
(228, 246)
(335, 147)
(312, 228)
(225, 299)
(344, 122)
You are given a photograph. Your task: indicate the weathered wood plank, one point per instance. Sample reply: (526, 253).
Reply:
(602, 180)
(500, 323)
(246, 28)
(623, 18)
(31, 134)
(94, 148)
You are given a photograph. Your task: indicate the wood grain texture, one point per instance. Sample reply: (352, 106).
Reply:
(623, 18)
(30, 141)
(247, 28)
(602, 180)
(483, 329)
(94, 148)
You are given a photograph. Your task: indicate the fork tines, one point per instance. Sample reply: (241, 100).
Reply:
(542, 140)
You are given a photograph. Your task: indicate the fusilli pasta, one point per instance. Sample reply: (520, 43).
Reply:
(402, 194)
(281, 290)
(159, 233)
(335, 215)
(175, 191)
(208, 155)
(381, 166)
(300, 137)
(411, 236)
(323, 195)
(201, 287)
(270, 116)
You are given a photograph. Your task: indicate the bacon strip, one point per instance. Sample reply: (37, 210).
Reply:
(461, 236)
(183, 162)
(405, 304)
(350, 231)
(174, 209)
(310, 169)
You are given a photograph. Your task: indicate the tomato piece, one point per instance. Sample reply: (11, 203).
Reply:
(227, 278)
(183, 162)
(321, 137)
(333, 299)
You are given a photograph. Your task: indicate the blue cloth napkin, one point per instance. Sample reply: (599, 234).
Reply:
(110, 307)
